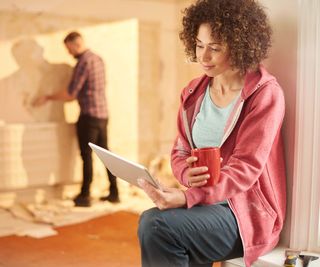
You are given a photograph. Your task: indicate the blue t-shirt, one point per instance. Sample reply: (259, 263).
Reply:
(208, 128)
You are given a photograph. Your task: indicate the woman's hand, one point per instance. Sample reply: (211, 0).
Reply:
(196, 175)
(167, 198)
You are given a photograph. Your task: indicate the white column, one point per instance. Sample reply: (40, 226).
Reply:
(306, 180)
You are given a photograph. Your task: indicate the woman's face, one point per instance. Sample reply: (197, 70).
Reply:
(212, 55)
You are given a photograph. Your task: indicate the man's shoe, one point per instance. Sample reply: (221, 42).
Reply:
(111, 198)
(82, 201)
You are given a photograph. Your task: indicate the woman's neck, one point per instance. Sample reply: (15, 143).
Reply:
(225, 88)
(227, 83)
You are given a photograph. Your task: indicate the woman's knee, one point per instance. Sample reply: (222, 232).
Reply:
(150, 224)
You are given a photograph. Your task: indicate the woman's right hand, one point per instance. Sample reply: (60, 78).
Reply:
(196, 176)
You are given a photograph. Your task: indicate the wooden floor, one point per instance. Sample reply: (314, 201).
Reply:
(108, 241)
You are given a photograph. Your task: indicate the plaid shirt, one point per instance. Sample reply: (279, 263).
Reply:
(88, 85)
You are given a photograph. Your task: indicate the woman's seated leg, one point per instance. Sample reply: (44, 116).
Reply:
(188, 237)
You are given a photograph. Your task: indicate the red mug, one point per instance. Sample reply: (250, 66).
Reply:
(209, 157)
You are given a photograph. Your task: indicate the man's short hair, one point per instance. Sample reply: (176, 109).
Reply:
(71, 37)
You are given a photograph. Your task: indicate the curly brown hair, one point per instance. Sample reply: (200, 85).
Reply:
(241, 24)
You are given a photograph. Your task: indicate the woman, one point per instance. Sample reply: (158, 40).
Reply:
(238, 106)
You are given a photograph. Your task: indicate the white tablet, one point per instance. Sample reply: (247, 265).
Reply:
(123, 168)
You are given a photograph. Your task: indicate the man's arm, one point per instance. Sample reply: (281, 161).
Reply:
(61, 95)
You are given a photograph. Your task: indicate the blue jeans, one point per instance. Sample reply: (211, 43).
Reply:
(188, 237)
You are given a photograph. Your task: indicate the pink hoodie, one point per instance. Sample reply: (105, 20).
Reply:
(253, 170)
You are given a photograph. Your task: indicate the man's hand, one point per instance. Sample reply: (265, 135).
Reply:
(61, 95)
(167, 198)
(40, 101)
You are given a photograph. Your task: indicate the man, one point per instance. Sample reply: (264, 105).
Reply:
(88, 87)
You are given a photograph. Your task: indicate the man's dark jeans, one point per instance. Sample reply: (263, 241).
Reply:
(94, 130)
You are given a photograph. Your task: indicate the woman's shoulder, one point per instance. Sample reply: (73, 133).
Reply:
(261, 81)
(194, 84)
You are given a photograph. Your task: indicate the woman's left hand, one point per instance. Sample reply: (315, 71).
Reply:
(167, 198)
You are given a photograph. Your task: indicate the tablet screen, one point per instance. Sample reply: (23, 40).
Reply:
(123, 168)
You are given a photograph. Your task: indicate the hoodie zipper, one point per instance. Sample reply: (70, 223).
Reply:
(243, 246)
(187, 129)
(232, 123)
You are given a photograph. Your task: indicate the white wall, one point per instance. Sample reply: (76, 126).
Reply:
(140, 111)
(161, 12)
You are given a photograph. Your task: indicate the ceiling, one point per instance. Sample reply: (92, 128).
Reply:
(47, 5)
(97, 9)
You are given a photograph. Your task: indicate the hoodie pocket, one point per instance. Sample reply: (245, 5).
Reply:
(265, 203)
(256, 217)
